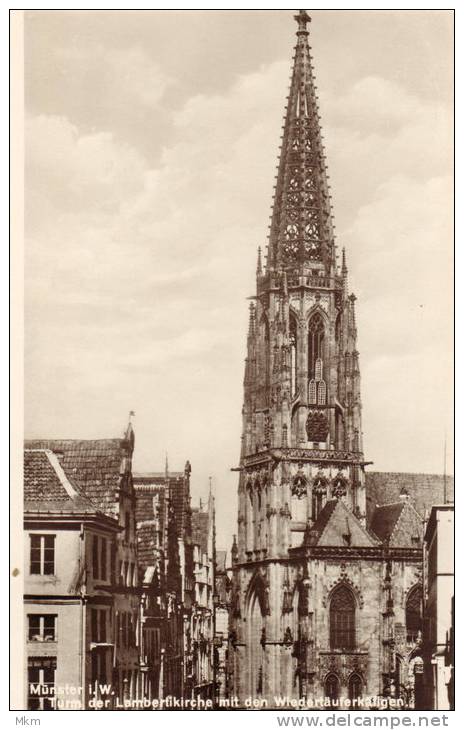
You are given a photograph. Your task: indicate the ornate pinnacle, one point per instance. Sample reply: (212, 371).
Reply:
(344, 266)
(251, 324)
(259, 267)
(302, 18)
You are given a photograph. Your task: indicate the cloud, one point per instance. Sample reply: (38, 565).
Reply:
(137, 273)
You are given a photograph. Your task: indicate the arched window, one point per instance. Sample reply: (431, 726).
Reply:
(267, 352)
(293, 356)
(317, 503)
(312, 392)
(413, 614)
(249, 517)
(342, 619)
(321, 393)
(315, 346)
(332, 687)
(354, 687)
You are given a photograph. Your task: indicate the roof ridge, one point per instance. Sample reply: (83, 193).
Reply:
(59, 471)
(390, 504)
(413, 473)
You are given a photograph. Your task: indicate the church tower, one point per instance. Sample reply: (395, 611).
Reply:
(302, 505)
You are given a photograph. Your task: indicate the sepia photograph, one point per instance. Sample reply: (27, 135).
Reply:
(235, 480)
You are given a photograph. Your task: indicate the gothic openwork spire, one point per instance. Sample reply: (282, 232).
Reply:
(301, 231)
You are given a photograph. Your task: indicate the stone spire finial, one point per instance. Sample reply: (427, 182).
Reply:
(302, 18)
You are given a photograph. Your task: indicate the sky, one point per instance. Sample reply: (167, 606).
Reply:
(151, 142)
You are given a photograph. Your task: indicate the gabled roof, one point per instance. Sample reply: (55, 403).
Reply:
(174, 486)
(95, 467)
(336, 526)
(398, 524)
(385, 518)
(47, 488)
(156, 477)
(200, 529)
(424, 490)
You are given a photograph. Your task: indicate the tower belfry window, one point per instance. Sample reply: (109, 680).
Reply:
(315, 347)
(312, 391)
(293, 357)
(321, 393)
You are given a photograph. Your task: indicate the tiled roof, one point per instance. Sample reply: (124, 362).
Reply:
(179, 495)
(424, 490)
(155, 477)
(323, 518)
(150, 502)
(94, 466)
(398, 524)
(146, 485)
(384, 520)
(336, 526)
(146, 544)
(47, 489)
(200, 529)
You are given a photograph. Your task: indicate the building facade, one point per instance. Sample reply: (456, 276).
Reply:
(439, 608)
(326, 605)
(81, 571)
(202, 618)
(222, 585)
(165, 550)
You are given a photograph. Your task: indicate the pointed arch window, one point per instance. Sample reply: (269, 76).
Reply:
(321, 393)
(312, 392)
(293, 356)
(315, 346)
(355, 687)
(342, 619)
(249, 518)
(266, 351)
(413, 614)
(332, 687)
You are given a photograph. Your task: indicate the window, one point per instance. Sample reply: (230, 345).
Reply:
(113, 563)
(413, 614)
(99, 666)
(317, 503)
(99, 557)
(267, 352)
(95, 571)
(332, 687)
(315, 347)
(42, 554)
(293, 356)
(42, 627)
(354, 687)
(127, 530)
(312, 391)
(342, 619)
(103, 558)
(321, 393)
(40, 683)
(98, 625)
